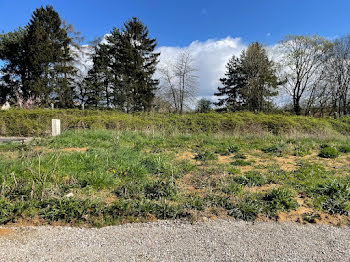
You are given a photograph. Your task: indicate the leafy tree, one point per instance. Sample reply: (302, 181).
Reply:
(261, 78)
(204, 106)
(14, 72)
(250, 81)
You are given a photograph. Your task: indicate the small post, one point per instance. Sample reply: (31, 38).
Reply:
(56, 127)
(82, 106)
(52, 106)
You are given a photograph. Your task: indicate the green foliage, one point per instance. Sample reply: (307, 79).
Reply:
(205, 156)
(39, 61)
(241, 162)
(203, 106)
(11, 46)
(344, 149)
(250, 81)
(333, 196)
(233, 149)
(328, 152)
(301, 150)
(280, 199)
(142, 208)
(66, 209)
(225, 150)
(246, 209)
(240, 156)
(37, 122)
(251, 178)
(122, 74)
(274, 149)
(310, 217)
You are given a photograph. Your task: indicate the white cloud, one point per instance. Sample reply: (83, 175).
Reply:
(210, 57)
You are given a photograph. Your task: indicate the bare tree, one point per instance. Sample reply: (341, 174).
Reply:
(169, 88)
(81, 55)
(302, 58)
(179, 81)
(337, 71)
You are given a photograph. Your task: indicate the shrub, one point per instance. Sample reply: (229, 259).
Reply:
(328, 152)
(160, 189)
(141, 208)
(335, 206)
(333, 196)
(68, 209)
(36, 122)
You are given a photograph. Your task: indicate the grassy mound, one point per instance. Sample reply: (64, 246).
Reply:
(37, 122)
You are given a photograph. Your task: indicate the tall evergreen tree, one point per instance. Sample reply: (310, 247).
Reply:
(250, 81)
(139, 63)
(38, 60)
(124, 67)
(48, 58)
(233, 83)
(99, 79)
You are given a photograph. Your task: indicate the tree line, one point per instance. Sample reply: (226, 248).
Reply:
(42, 67)
(313, 71)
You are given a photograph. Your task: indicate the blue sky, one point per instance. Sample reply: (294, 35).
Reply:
(178, 23)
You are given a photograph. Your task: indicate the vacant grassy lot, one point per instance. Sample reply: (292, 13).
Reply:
(102, 177)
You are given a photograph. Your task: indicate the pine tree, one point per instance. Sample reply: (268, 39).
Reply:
(49, 58)
(99, 79)
(139, 64)
(233, 84)
(39, 64)
(124, 67)
(250, 81)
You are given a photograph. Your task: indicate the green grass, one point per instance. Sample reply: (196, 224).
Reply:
(104, 177)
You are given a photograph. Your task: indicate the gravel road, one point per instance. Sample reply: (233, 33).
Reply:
(177, 241)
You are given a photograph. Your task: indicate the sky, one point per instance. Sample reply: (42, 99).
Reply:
(212, 30)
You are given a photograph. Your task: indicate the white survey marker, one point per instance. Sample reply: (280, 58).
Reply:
(56, 127)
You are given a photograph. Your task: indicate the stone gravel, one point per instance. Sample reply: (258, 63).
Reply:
(218, 240)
